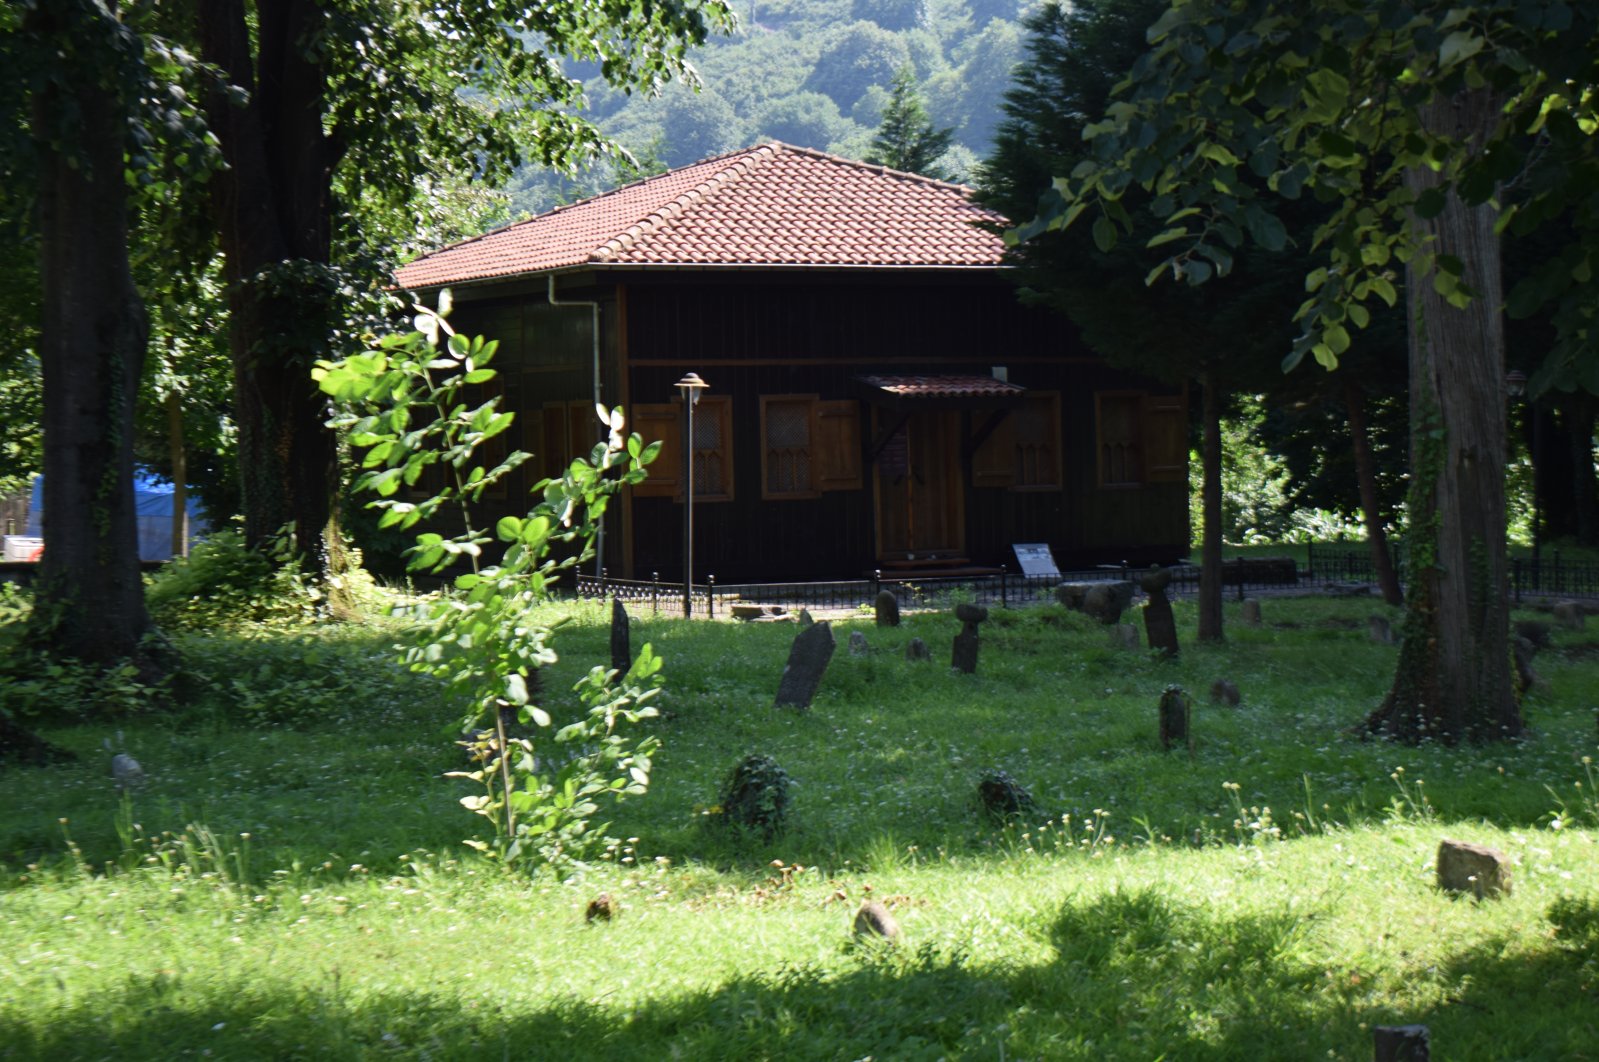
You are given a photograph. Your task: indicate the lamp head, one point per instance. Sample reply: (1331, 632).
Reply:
(691, 385)
(1516, 383)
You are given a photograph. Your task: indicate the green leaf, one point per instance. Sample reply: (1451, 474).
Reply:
(1104, 233)
(1458, 47)
(1385, 290)
(516, 688)
(1431, 203)
(1166, 237)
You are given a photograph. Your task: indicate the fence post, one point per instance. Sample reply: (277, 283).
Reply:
(655, 592)
(877, 581)
(1310, 561)
(1241, 571)
(710, 597)
(1004, 588)
(604, 574)
(1560, 586)
(1515, 576)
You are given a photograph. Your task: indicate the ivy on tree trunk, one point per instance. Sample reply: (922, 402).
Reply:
(1453, 679)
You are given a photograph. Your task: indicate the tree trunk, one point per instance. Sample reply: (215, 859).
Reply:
(1453, 679)
(1370, 510)
(90, 597)
(1210, 572)
(273, 209)
(180, 475)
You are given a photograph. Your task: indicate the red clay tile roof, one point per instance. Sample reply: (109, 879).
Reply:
(943, 386)
(774, 205)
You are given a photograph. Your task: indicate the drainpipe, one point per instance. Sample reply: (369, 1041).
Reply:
(594, 339)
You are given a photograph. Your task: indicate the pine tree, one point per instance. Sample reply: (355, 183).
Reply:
(906, 139)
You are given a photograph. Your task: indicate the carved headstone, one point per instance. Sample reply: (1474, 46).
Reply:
(874, 922)
(1106, 602)
(807, 662)
(1159, 623)
(887, 609)
(1251, 612)
(1473, 868)
(1569, 615)
(964, 656)
(857, 644)
(1175, 713)
(916, 649)
(1224, 691)
(1126, 635)
(1382, 632)
(621, 638)
(1401, 1043)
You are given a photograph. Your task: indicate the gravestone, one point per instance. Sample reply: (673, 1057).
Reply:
(964, 656)
(1382, 632)
(1071, 595)
(1159, 623)
(916, 649)
(126, 772)
(1569, 615)
(621, 638)
(857, 644)
(1107, 601)
(887, 609)
(1522, 651)
(805, 618)
(1473, 868)
(1175, 713)
(1401, 1043)
(1224, 691)
(1251, 612)
(807, 662)
(1001, 795)
(1535, 632)
(873, 922)
(1126, 635)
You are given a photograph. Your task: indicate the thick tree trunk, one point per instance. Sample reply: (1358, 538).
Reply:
(90, 597)
(1370, 510)
(273, 209)
(1210, 573)
(1453, 679)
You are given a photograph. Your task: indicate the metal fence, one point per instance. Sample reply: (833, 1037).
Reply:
(1325, 566)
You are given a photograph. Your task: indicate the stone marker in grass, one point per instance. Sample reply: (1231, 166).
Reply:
(621, 638)
(1107, 601)
(887, 609)
(1474, 868)
(1224, 691)
(1382, 632)
(964, 656)
(1401, 1043)
(805, 617)
(1176, 711)
(873, 922)
(1125, 635)
(1251, 612)
(1159, 623)
(807, 662)
(1569, 614)
(916, 649)
(858, 646)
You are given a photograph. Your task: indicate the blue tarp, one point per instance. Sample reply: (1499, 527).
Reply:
(152, 497)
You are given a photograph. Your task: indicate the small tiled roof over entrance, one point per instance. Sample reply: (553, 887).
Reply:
(772, 205)
(940, 392)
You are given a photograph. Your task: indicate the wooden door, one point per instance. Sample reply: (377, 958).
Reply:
(919, 496)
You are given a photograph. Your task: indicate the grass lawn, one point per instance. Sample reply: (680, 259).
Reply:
(291, 883)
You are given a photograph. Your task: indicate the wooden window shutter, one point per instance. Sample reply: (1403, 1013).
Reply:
(583, 429)
(1166, 438)
(551, 458)
(661, 423)
(529, 431)
(994, 462)
(838, 445)
(1119, 438)
(1038, 441)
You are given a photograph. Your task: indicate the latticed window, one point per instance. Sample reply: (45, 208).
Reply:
(710, 450)
(787, 440)
(713, 453)
(1038, 441)
(1120, 431)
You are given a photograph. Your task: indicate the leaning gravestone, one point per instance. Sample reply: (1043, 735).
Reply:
(807, 662)
(805, 617)
(964, 657)
(621, 643)
(1159, 623)
(1251, 612)
(916, 649)
(887, 609)
(857, 644)
(1382, 632)
(1473, 868)
(1175, 713)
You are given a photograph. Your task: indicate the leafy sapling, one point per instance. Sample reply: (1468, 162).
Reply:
(405, 403)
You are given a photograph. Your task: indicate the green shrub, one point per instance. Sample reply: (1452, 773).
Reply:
(223, 585)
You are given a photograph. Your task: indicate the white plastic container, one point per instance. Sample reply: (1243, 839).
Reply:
(23, 547)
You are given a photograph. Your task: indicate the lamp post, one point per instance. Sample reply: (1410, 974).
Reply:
(689, 387)
(1516, 384)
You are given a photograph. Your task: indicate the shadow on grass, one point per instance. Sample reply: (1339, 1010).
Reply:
(1135, 976)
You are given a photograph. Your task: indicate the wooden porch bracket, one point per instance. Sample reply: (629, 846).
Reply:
(980, 436)
(888, 432)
